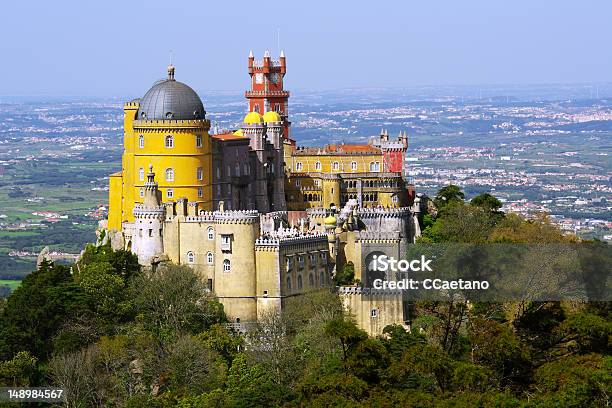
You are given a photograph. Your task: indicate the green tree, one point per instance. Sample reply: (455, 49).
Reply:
(497, 347)
(219, 339)
(346, 276)
(37, 309)
(106, 289)
(174, 300)
(19, 371)
(193, 367)
(346, 332)
(486, 201)
(396, 340)
(448, 194)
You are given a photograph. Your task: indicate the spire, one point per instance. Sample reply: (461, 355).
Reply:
(151, 175)
(151, 198)
(251, 54)
(282, 54)
(267, 54)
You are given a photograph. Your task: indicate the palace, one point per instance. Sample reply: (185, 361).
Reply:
(259, 218)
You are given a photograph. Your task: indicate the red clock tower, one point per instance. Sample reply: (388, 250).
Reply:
(267, 93)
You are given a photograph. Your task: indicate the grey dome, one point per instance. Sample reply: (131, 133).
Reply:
(170, 99)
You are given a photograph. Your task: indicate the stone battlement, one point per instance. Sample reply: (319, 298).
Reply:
(379, 236)
(142, 211)
(132, 104)
(174, 123)
(359, 291)
(384, 212)
(276, 241)
(236, 216)
(317, 212)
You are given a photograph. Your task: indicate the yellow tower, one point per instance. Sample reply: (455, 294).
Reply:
(166, 129)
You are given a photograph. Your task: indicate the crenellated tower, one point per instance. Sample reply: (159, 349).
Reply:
(147, 235)
(267, 92)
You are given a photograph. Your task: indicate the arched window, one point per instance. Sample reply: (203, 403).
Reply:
(169, 174)
(200, 192)
(190, 257)
(210, 258)
(299, 285)
(170, 193)
(237, 169)
(318, 166)
(211, 233)
(322, 278)
(169, 141)
(198, 140)
(200, 173)
(141, 192)
(245, 168)
(288, 283)
(354, 166)
(218, 172)
(336, 166)
(141, 174)
(374, 166)
(311, 280)
(141, 141)
(226, 265)
(298, 166)
(229, 171)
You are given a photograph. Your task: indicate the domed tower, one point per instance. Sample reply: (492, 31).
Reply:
(147, 238)
(168, 129)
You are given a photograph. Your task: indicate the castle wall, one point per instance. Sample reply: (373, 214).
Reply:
(115, 201)
(237, 288)
(373, 310)
(269, 291)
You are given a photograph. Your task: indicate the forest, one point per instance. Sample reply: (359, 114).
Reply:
(115, 336)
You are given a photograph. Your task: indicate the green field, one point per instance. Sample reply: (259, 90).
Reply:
(12, 284)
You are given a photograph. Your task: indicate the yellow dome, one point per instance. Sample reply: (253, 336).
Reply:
(271, 116)
(253, 118)
(238, 133)
(331, 220)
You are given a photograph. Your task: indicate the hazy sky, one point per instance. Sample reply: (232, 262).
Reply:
(119, 48)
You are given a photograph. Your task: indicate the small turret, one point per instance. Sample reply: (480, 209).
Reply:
(251, 61)
(148, 223)
(283, 62)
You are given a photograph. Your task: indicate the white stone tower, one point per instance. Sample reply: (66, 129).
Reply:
(147, 241)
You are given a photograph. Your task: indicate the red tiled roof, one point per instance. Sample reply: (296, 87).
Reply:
(228, 136)
(338, 149)
(348, 148)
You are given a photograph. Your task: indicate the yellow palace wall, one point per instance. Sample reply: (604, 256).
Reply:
(184, 157)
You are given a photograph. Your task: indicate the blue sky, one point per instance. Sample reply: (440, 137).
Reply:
(114, 48)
